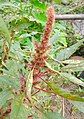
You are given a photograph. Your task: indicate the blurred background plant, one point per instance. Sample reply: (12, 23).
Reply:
(22, 24)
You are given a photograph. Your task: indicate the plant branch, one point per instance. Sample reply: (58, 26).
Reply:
(69, 17)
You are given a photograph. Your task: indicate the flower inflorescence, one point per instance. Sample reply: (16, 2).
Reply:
(40, 49)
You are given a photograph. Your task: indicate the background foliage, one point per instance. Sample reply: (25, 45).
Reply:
(22, 24)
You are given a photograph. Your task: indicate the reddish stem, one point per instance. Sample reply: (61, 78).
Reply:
(42, 90)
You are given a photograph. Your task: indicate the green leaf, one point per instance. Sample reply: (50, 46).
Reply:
(19, 22)
(17, 51)
(61, 27)
(63, 93)
(11, 74)
(8, 4)
(52, 69)
(39, 5)
(29, 83)
(72, 78)
(62, 40)
(40, 18)
(78, 105)
(5, 95)
(74, 67)
(67, 52)
(66, 2)
(8, 81)
(52, 115)
(55, 37)
(19, 111)
(4, 30)
(25, 35)
(57, 1)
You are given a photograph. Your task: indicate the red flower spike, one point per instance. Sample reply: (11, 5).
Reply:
(49, 25)
(41, 48)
